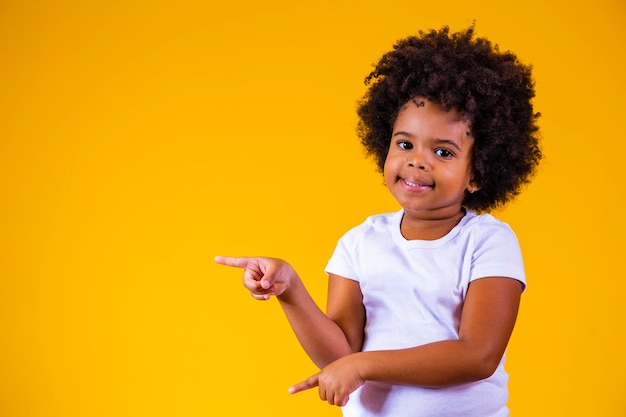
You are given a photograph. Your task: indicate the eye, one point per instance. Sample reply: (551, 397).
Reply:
(444, 153)
(403, 144)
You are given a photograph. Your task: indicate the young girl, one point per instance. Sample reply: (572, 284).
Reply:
(422, 302)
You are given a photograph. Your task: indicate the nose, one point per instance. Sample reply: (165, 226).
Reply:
(418, 158)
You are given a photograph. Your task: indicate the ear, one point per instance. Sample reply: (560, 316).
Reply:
(472, 187)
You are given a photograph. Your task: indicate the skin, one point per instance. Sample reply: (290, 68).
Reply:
(428, 168)
(428, 171)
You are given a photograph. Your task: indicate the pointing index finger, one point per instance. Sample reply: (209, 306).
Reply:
(231, 261)
(311, 382)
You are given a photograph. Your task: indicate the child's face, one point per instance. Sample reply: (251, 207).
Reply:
(428, 166)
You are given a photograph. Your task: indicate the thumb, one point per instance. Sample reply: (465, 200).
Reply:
(310, 382)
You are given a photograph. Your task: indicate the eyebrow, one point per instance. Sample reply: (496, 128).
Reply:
(439, 141)
(448, 142)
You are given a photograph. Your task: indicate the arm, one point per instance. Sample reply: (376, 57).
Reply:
(324, 338)
(487, 321)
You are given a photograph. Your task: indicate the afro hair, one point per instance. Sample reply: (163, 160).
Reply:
(492, 89)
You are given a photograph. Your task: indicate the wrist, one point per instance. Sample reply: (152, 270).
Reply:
(288, 295)
(365, 363)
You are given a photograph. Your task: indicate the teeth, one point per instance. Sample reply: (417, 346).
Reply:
(411, 183)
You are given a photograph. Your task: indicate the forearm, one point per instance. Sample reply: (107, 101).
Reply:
(432, 365)
(321, 338)
(487, 322)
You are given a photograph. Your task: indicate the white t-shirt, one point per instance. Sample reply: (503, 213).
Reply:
(413, 292)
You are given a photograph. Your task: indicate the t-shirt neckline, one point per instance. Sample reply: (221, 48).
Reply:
(426, 244)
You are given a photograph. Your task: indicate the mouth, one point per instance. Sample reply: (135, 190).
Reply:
(416, 184)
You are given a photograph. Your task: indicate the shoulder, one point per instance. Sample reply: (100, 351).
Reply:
(489, 237)
(376, 229)
(375, 224)
(496, 251)
(486, 225)
(361, 244)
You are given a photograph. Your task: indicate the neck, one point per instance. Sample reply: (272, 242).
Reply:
(415, 228)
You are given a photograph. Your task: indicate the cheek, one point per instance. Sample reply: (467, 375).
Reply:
(463, 176)
(389, 174)
(390, 167)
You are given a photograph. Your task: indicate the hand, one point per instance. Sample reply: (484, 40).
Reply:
(263, 277)
(336, 381)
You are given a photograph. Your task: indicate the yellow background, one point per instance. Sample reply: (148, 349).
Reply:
(139, 139)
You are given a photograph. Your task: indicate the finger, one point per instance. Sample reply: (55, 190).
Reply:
(311, 382)
(232, 261)
(262, 297)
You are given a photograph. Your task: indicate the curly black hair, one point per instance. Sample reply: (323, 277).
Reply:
(490, 88)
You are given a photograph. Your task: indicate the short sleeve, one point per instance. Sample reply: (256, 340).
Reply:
(497, 253)
(342, 261)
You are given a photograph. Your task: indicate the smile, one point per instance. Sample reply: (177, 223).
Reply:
(414, 184)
